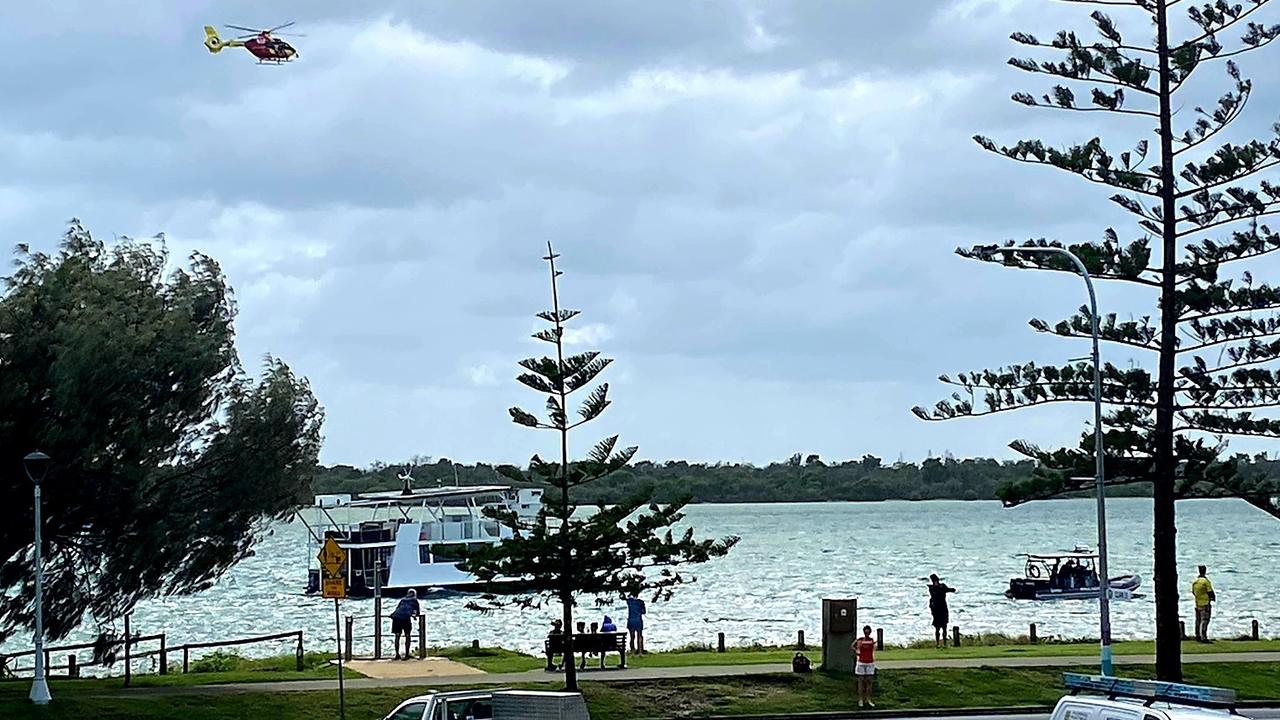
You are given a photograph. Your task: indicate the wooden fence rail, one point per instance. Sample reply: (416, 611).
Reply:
(187, 648)
(9, 666)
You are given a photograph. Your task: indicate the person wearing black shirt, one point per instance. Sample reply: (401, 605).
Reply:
(938, 609)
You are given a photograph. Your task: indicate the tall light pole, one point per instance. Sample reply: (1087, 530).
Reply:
(36, 465)
(1104, 580)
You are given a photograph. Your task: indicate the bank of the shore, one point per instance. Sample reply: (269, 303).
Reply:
(499, 660)
(760, 694)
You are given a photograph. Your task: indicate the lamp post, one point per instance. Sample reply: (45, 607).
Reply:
(36, 465)
(1104, 580)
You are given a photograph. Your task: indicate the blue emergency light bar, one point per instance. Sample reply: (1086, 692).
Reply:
(1152, 690)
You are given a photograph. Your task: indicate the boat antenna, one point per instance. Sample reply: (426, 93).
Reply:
(406, 477)
(455, 474)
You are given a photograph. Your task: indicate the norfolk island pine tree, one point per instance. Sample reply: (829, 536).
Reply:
(1201, 212)
(561, 554)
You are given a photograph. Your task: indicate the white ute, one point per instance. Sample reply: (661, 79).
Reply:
(1123, 699)
(492, 705)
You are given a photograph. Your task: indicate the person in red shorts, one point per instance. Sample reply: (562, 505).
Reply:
(865, 668)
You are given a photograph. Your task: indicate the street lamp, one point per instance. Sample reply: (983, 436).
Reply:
(36, 465)
(1104, 583)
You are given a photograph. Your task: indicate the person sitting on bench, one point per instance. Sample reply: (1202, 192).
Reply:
(557, 630)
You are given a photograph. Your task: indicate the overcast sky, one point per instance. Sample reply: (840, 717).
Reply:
(756, 203)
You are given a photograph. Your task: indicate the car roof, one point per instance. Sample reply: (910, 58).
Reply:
(451, 695)
(1171, 710)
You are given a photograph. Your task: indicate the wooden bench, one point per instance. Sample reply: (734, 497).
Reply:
(598, 643)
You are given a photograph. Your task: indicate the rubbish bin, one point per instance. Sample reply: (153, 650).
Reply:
(839, 630)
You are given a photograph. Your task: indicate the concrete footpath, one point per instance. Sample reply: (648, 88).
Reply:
(693, 671)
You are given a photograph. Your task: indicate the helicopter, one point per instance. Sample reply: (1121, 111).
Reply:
(262, 43)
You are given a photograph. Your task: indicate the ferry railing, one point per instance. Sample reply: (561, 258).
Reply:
(459, 530)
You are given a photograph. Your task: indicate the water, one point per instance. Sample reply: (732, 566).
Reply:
(789, 558)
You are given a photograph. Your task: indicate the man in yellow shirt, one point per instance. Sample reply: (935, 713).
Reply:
(1202, 590)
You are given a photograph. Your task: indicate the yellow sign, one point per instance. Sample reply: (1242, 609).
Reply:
(333, 588)
(332, 558)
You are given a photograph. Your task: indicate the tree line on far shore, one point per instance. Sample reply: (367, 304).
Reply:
(800, 478)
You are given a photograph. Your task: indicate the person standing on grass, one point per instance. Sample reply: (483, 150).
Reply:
(1202, 590)
(864, 670)
(938, 609)
(635, 623)
(402, 620)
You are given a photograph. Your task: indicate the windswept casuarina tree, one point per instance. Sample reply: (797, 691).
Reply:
(563, 554)
(1206, 347)
(167, 461)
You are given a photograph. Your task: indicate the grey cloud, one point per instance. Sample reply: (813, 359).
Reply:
(756, 203)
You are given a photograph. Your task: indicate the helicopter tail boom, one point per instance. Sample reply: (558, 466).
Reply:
(211, 39)
(216, 43)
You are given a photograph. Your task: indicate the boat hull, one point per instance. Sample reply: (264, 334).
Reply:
(1123, 587)
(467, 585)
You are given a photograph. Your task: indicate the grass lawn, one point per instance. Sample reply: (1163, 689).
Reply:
(935, 688)
(497, 660)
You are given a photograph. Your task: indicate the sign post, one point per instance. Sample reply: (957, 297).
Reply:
(333, 585)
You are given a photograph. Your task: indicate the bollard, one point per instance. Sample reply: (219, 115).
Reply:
(800, 640)
(72, 670)
(1034, 638)
(1254, 630)
(346, 650)
(720, 642)
(422, 637)
(299, 652)
(879, 638)
(128, 659)
(475, 644)
(1182, 628)
(377, 609)
(186, 659)
(164, 657)
(955, 635)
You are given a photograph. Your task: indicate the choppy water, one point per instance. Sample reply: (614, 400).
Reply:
(790, 557)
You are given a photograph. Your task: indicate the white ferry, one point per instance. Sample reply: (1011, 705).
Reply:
(417, 534)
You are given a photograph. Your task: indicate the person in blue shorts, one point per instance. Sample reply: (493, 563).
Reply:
(402, 620)
(635, 623)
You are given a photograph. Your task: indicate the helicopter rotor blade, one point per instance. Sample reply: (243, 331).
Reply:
(280, 27)
(245, 29)
(289, 34)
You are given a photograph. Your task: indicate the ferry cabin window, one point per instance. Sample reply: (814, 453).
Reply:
(412, 711)
(446, 553)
